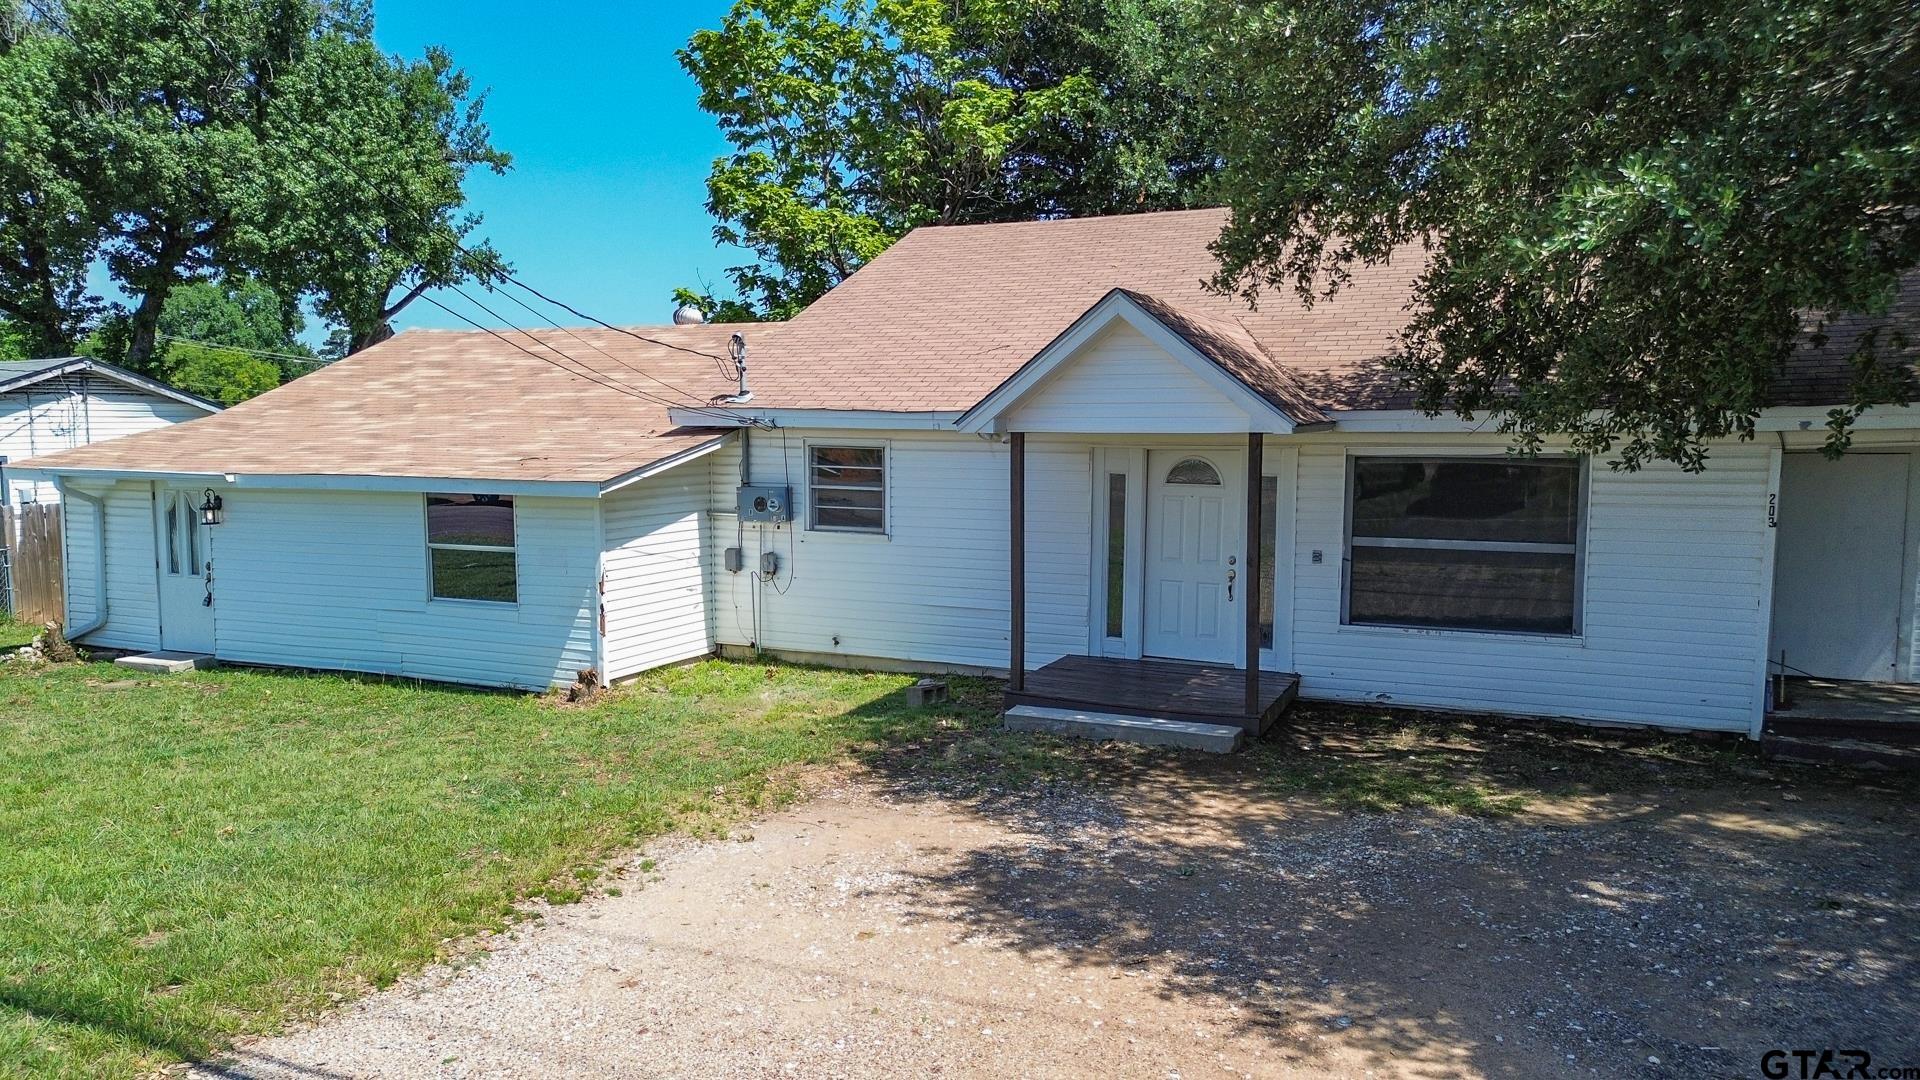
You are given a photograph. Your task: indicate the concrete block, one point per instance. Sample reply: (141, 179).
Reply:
(167, 663)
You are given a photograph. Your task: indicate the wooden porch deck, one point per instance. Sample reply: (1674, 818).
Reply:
(1837, 709)
(1166, 689)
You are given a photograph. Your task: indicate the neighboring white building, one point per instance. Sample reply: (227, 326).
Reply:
(1203, 487)
(52, 405)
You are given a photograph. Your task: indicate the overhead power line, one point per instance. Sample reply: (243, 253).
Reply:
(395, 203)
(588, 374)
(576, 312)
(263, 353)
(605, 379)
(635, 368)
(585, 371)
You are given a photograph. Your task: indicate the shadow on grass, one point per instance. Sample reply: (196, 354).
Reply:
(63, 1005)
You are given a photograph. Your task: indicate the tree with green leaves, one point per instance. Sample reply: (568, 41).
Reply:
(231, 340)
(1629, 210)
(240, 313)
(13, 343)
(227, 376)
(374, 214)
(189, 140)
(49, 228)
(853, 121)
(226, 340)
(714, 308)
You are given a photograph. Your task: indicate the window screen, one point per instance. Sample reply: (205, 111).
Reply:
(1470, 544)
(847, 488)
(470, 546)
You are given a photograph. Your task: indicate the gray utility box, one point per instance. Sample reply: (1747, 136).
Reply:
(763, 503)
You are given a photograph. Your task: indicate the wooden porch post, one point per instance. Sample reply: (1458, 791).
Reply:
(1251, 586)
(1017, 507)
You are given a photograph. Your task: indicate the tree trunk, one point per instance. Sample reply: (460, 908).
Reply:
(368, 338)
(143, 327)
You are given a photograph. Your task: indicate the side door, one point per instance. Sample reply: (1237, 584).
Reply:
(185, 550)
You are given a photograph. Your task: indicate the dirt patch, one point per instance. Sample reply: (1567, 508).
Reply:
(1183, 919)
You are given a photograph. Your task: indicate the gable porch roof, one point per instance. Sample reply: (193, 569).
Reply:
(1219, 353)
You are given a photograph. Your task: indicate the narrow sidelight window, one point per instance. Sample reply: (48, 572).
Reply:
(1116, 554)
(173, 536)
(470, 548)
(1465, 543)
(190, 520)
(1269, 553)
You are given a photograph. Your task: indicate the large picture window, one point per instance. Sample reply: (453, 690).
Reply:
(1464, 543)
(847, 488)
(470, 547)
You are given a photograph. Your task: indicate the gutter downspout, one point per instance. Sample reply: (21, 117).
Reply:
(74, 633)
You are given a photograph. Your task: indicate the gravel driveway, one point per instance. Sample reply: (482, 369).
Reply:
(1186, 922)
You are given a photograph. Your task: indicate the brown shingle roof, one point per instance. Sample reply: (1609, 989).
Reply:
(1820, 372)
(1236, 352)
(947, 314)
(934, 324)
(451, 404)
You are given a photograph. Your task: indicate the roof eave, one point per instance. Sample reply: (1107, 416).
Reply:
(87, 365)
(321, 481)
(671, 461)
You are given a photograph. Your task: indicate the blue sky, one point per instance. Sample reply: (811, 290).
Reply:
(605, 206)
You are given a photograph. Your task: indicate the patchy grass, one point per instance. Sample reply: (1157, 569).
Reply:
(194, 858)
(198, 857)
(1360, 758)
(14, 634)
(1383, 759)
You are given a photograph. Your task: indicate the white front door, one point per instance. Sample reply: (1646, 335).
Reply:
(1838, 565)
(184, 547)
(1195, 584)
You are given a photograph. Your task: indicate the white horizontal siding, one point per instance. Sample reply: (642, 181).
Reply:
(71, 411)
(1123, 382)
(655, 585)
(80, 537)
(339, 580)
(133, 617)
(935, 589)
(1673, 619)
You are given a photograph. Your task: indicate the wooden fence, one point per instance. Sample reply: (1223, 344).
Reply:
(31, 535)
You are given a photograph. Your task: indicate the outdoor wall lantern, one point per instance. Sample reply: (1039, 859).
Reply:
(210, 509)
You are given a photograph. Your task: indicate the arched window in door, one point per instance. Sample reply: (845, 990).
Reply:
(1194, 470)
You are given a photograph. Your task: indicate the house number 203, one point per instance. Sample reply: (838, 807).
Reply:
(1773, 509)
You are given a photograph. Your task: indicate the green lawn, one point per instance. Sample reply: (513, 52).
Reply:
(15, 634)
(188, 859)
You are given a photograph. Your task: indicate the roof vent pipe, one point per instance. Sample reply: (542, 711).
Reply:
(737, 348)
(688, 315)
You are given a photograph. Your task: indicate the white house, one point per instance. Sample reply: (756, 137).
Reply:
(58, 404)
(1041, 449)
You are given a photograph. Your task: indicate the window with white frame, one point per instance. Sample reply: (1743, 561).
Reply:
(470, 548)
(847, 488)
(1464, 543)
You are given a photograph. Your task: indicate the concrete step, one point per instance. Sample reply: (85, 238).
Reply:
(1146, 730)
(167, 663)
